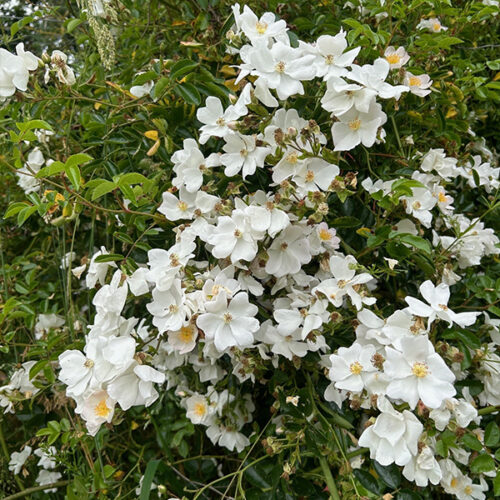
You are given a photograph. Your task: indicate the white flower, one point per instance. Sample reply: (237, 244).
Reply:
(419, 85)
(341, 96)
(48, 477)
(135, 386)
(184, 339)
(314, 174)
(331, 60)
(418, 372)
(27, 180)
(215, 120)
(288, 252)
(355, 127)
(397, 58)
(18, 459)
(432, 24)
(352, 367)
(261, 29)
(199, 409)
(488, 176)
(233, 236)
(394, 435)
(230, 324)
(437, 161)
(59, 63)
(463, 412)
(280, 67)
(45, 322)
(47, 457)
(437, 297)
(187, 205)
(242, 154)
(98, 270)
(96, 409)
(14, 70)
(423, 468)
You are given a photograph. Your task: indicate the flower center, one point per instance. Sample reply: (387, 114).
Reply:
(393, 58)
(329, 59)
(341, 283)
(237, 233)
(220, 121)
(244, 153)
(227, 318)
(186, 334)
(325, 235)
(88, 363)
(101, 409)
(420, 370)
(173, 308)
(454, 482)
(417, 205)
(261, 27)
(284, 246)
(182, 206)
(356, 368)
(468, 490)
(442, 197)
(436, 26)
(200, 409)
(292, 158)
(444, 307)
(414, 81)
(309, 176)
(280, 67)
(355, 124)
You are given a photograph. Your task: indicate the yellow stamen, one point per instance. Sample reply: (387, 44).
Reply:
(414, 81)
(420, 370)
(356, 368)
(101, 409)
(393, 58)
(355, 124)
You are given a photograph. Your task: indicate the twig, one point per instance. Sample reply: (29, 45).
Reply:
(29, 491)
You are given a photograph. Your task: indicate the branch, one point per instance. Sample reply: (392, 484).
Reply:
(29, 491)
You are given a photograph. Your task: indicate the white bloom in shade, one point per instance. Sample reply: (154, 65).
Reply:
(418, 372)
(325, 237)
(459, 409)
(140, 91)
(261, 29)
(47, 457)
(59, 63)
(18, 459)
(135, 386)
(331, 59)
(280, 67)
(97, 408)
(45, 322)
(310, 319)
(184, 339)
(397, 58)
(233, 236)
(187, 205)
(189, 165)
(423, 468)
(48, 477)
(341, 96)
(394, 435)
(488, 176)
(315, 174)
(288, 252)
(228, 438)
(437, 161)
(138, 282)
(215, 120)
(283, 344)
(199, 409)
(242, 154)
(433, 24)
(418, 84)
(169, 308)
(14, 70)
(98, 270)
(352, 367)
(356, 127)
(437, 298)
(230, 324)
(27, 180)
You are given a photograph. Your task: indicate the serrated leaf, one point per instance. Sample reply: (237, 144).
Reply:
(78, 159)
(103, 188)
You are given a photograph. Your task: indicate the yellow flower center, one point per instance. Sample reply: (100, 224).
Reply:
(261, 27)
(414, 81)
(237, 233)
(356, 368)
(182, 206)
(186, 334)
(325, 235)
(442, 197)
(101, 409)
(280, 67)
(329, 59)
(454, 482)
(436, 26)
(220, 121)
(309, 176)
(443, 307)
(227, 318)
(393, 58)
(292, 158)
(244, 153)
(200, 409)
(88, 363)
(468, 490)
(420, 370)
(355, 124)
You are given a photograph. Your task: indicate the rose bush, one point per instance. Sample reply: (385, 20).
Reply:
(251, 251)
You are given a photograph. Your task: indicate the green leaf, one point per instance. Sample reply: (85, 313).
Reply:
(34, 124)
(472, 442)
(496, 485)
(482, 463)
(189, 93)
(73, 173)
(389, 474)
(491, 434)
(182, 68)
(346, 221)
(148, 479)
(103, 188)
(131, 178)
(145, 77)
(160, 86)
(109, 257)
(24, 214)
(368, 481)
(78, 159)
(417, 242)
(15, 208)
(73, 24)
(54, 168)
